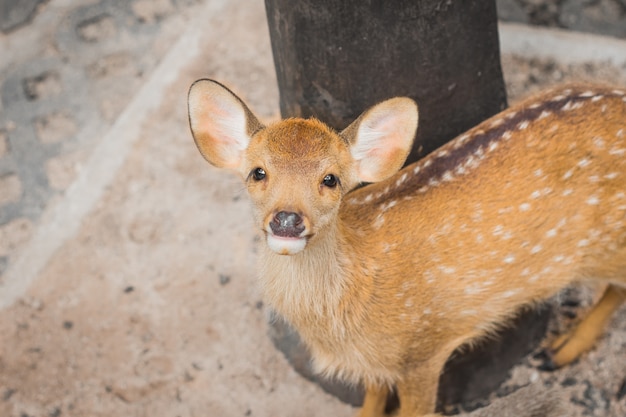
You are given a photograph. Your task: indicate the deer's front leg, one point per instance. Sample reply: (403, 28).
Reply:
(374, 402)
(418, 389)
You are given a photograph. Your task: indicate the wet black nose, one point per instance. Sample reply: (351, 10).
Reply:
(287, 224)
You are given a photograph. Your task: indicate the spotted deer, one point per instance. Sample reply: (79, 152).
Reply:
(384, 281)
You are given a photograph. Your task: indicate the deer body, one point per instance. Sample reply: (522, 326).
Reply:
(384, 282)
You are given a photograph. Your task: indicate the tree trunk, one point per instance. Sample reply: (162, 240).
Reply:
(336, 58)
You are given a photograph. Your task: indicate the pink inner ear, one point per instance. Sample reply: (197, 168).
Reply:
(384, 138)
(218, 122)
(381, 163)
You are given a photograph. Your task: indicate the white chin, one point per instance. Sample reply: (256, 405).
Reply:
(286, 245)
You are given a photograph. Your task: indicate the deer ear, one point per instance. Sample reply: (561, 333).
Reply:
(220, 122)
(381, 138)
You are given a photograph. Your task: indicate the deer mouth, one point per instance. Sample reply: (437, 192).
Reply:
(286, 245)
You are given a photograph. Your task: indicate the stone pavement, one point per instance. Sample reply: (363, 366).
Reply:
(67, 70)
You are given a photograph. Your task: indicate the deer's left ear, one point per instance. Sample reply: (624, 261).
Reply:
(381, 138)
(221, 124)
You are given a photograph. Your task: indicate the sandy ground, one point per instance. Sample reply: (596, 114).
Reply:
(152, 307)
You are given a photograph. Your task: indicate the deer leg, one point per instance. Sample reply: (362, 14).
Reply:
(570, 346)
(418, 391)
(374, 402)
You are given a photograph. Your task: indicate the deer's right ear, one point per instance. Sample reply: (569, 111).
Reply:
(220, 122)
(381, 138)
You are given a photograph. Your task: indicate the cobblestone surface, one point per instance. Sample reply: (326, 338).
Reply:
(65, 75)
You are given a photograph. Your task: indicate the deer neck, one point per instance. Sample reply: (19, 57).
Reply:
(310, 285)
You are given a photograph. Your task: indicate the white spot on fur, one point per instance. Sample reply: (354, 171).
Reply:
(409, 303)
(386, 206)
(509, 259)
(558, 258)
(558, 97)
(479, 238)
(598, 142)
(402, 179)
(619, 92)
(523, 125)
(497, 231)
(615, 151)
(567, 106)
(582, 243)
(447, 269)
(511, 115)
(620, 133)
(594, 179)
(461, 141)
(567, 191)
(423, 189)
(447, 176)
(587, 94)
(535, 194)
(551, 233)
(597, 98)
(496, 123)
(538, 172)
(507, 135)
(428, 163)
(493, 146)
(509, 293)
(433, 182)
(593, 200)
(380, 220)
(536, 249)
(427, 311)
(430, 277)
(469, 312)
(568, 174)
(416, 169)
(525, 272)
(442, 153)
(524, 207)
(543, 115)
(583, 162)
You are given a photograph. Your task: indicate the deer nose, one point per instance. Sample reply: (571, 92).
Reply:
(287, 224)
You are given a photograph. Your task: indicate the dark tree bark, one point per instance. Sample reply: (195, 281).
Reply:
(336, 58)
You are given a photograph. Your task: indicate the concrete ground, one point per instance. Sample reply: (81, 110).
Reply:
(127, 264)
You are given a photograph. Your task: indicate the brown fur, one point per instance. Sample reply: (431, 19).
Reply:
(398, 274)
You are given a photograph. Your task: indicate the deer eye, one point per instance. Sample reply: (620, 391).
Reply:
(258, 174)
(330, 181)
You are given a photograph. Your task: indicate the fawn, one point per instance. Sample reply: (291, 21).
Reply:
(385, 281)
